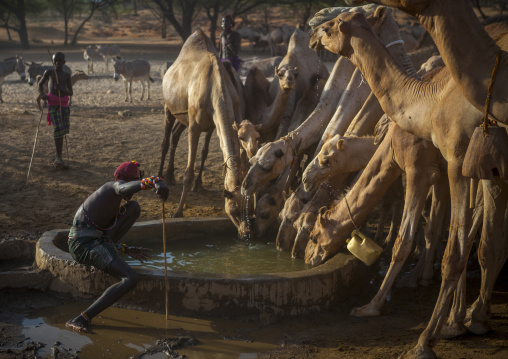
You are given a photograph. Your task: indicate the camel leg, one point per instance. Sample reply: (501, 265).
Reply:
(198, 183)
(454, 261)
(416, 193)
(169, 122)
(492, 251)
(173, 144)
(423, 271)
(454, 326)
(188, 177)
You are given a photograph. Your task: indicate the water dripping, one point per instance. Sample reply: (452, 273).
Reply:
(246, 216)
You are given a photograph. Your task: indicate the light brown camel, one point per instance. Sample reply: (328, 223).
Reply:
(199, 93)
(456, 30)
(248, 134)
(437, 112)
(260, 109)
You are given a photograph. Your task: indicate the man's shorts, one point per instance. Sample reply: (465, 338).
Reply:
(91, 246)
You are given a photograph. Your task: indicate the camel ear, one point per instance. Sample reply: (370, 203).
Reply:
(227, 194)
(340, 144)
(380, 11)
(279, 153)
(235, 126)
(258, 127)
(322, 210)
(276, 72)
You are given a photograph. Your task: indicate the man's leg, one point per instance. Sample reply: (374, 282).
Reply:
(120, 269)
(59, 147)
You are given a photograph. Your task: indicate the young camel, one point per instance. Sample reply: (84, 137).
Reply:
(199, 93)
(439, 113)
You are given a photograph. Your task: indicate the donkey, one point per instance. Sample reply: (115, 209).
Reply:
(135, 70)
(8, 66)
(90, 54)
(108, 52)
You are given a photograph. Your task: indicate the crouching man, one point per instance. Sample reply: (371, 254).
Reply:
(99, 224)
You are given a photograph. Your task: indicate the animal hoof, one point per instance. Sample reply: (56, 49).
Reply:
(451, 331)
(365, 311)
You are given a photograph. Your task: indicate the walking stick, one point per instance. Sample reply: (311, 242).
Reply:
(165, 261)
(33, 150)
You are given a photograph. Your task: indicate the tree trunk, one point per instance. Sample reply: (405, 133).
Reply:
(23, 33)
(163, 28)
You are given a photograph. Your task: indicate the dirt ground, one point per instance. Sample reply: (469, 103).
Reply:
(106, 131)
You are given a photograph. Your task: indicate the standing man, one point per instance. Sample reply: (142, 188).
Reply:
(60, 89)
(230, 42)
(100, 222)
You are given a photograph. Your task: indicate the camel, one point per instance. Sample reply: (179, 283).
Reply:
(199, 93)
(248, 134)
(78, 75)
(440, 113)
(259, 110)
(456, 30)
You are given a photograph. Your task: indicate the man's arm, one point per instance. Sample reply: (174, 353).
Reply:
(126, 189)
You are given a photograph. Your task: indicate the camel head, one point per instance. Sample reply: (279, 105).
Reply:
(325, 239)
(267, 209)
(239, 208)
(331, 159)
(268, 163)
(248, 134)
(287, 75)
(336, 35)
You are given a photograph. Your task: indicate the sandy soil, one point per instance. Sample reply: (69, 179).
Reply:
(106, 131)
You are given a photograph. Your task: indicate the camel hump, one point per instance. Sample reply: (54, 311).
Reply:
(197, 43)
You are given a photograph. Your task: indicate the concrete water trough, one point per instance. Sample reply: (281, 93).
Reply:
(280, 294)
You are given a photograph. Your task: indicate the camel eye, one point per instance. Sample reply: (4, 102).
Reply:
(325, 162)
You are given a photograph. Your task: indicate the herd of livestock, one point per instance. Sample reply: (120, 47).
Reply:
(314, 151)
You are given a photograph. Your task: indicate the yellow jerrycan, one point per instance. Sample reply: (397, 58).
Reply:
(363, 248)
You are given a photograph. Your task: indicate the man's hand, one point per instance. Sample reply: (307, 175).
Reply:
(162, 190)
(139, 253)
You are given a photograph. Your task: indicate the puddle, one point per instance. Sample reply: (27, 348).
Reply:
(122, 333)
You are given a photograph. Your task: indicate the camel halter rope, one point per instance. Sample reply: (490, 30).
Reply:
(485, 119)
(350, 216)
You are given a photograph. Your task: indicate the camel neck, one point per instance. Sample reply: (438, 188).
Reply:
(468, 52)
(406, 99)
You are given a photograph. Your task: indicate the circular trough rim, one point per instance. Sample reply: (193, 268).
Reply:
(281, 293)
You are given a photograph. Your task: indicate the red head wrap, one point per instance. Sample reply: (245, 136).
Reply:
(127, 171)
